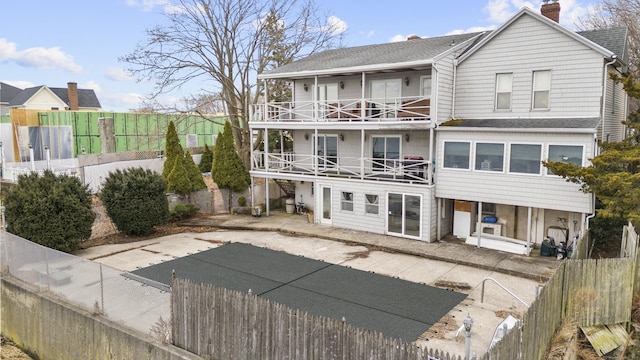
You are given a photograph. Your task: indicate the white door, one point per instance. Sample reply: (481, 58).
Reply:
(325, 205)
(404, 214)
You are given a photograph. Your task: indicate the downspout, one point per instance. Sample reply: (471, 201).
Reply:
(593, 200)
(614, 58)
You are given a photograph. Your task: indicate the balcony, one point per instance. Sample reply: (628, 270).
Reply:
(410, 169)
(352, 110)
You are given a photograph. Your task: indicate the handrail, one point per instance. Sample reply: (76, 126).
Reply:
(503, 288)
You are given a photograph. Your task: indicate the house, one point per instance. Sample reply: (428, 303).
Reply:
(445, 135)
(7, 93)
(49, 98)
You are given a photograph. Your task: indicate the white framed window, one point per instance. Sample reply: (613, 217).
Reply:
(425, 86)
(525, 158)
(503, 91)
(541, 88)
(489, 157)
(385, 152)
(571, 154)
(456, 155)
(371, 204)
(346, 201)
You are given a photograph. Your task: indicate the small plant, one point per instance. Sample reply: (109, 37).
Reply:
(161, 330)
(182, 211)
(242, 201)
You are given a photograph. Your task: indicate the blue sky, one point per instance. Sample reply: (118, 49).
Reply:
(44, 42)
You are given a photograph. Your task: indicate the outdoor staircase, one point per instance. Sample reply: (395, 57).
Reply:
(288, 186)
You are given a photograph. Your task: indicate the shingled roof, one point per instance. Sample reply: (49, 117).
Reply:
(8, 92)
(614, 40)
(86, 97)
(520, 123)
(388, 55)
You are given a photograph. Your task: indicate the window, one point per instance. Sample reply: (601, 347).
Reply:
(489, 157)
(371, 205)
(346, 201)
(192, 140)
(385, 92)
(525, 159)
(571, 154)
(425, 91)
(541, 87)
(385, 152)
(456, 155)
(503, 91)
(327, 151)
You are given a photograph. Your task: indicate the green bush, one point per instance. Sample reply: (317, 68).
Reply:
(135, 200)
(182, 211)
(51, 210)
(242, 201)
(206, 160)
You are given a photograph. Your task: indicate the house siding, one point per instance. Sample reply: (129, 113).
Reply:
(444, 78)
(525, 46)
(539, 191)
(359, 220)
(614, 111)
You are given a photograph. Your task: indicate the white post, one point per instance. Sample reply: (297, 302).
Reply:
(479, 223)
(48, 151)
(529, 231)
(32, 160)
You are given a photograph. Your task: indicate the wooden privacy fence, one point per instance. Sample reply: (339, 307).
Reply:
(216, 323)
(589, 292)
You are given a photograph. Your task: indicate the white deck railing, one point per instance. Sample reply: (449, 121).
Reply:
(402, 170)
(401, 109)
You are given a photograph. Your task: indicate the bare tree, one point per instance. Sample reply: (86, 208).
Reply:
(613, 13)
(227, 43)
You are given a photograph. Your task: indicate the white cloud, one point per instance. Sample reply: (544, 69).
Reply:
(337, 25)
(398, 38)
(38, 57)
(91, 85)
(472, 30)
(499, 11)
(147, 5)
(117, 74)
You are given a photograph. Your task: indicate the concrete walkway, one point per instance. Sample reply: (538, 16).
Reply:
(533, 267)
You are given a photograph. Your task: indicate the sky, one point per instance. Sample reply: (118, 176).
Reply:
(44, 42)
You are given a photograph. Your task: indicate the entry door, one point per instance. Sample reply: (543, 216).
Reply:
(404, 214)
(326, 204)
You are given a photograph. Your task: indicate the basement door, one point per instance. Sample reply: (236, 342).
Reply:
(404, 214)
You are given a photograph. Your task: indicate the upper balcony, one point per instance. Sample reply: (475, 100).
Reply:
(412, 108)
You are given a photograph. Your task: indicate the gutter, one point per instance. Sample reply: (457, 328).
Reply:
(524, 130)
(614, 58)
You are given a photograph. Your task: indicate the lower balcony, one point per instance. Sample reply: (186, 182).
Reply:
(409, 169)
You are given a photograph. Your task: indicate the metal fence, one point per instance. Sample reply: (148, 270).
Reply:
(95, 287)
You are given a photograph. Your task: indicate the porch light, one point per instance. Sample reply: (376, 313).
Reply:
(341, 137)
(406, 137)
(341, 85)
(306, 136)
(406, 80)
(306, 87)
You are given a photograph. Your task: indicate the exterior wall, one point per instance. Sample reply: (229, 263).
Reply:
(52, 329)
(614, 112)
(444, 93)
(538, 191)
(525, 46)
(358, 219)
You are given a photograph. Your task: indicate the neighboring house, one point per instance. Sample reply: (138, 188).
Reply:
(446, 135)
(49, 98)
(7, 93)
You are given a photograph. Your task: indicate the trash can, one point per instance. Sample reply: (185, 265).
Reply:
(548, 247)
(290, 206)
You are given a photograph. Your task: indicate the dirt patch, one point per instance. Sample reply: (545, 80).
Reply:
(9, 350)
(439, 329)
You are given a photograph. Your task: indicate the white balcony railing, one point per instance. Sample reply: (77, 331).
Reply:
(402, 108)
(409, 169)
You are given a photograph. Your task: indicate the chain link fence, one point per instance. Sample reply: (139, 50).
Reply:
(120, 296)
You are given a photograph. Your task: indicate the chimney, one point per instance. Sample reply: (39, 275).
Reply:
(413, 37)
(551, 10)
(72, 91)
